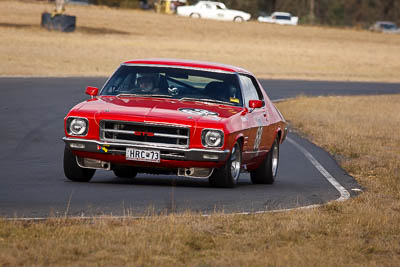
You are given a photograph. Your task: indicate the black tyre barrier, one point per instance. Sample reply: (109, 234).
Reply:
(62, 23)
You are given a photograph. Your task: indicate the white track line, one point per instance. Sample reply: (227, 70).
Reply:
(344, 194)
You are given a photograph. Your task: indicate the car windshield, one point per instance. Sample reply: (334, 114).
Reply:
(388, 26)
(183, 84)
(283, 17)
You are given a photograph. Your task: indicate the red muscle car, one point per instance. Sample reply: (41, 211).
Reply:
(189, 118)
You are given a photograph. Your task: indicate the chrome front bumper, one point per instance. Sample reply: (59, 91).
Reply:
(167, 153)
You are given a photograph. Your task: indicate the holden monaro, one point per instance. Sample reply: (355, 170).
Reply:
(187, 118)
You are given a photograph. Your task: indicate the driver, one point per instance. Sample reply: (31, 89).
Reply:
(147, 82)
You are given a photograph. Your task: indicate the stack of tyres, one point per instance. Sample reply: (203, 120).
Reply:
(59, 22)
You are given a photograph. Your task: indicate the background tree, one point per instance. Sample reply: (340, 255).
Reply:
(361, 13)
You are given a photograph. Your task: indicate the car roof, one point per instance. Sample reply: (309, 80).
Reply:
(181, 63)
(277, 13)
(385, 22)
(210, 2)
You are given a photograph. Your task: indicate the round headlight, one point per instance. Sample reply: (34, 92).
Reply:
(78, 126)
(213, 138)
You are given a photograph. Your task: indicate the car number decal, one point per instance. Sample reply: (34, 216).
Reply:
(257, 141)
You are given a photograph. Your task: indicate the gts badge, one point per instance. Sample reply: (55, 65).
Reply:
(143, 133)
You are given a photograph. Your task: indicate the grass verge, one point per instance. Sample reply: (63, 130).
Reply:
(364, 231)
(105, 37)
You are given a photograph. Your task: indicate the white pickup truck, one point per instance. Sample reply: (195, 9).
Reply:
(282, 18)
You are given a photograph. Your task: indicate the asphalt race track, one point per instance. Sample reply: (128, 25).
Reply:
(32, 183)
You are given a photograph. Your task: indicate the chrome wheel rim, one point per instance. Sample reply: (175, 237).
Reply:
(235, 162)
(275, 158)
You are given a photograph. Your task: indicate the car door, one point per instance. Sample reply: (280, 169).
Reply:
(256, 121)
(207, 11)
(221, 13)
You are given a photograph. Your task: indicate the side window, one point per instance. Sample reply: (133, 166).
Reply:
(251, 91)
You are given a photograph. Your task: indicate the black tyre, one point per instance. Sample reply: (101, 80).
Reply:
(72, 170)
(125, 172)
(228, 175)
(266, 172)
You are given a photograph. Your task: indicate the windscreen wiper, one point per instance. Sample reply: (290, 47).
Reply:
(204, 100)
(155, 95)
(127, 95)
(143, 95)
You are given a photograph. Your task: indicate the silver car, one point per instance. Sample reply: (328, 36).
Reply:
(385, 27)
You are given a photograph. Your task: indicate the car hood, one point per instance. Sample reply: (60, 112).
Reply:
(154, 109)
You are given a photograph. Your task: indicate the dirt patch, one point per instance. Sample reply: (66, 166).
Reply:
(100, 31)
(16, 26)
(81, 29)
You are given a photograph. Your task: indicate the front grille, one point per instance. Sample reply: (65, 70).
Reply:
(144, 133)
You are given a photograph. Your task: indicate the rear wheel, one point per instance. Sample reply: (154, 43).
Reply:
(195, 16)
(266, 172)
(228, 175)
(125, 172)
(72, 170)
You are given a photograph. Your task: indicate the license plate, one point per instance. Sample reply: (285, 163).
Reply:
(142, 155)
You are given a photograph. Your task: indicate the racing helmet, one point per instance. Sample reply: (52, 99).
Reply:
(147, 81)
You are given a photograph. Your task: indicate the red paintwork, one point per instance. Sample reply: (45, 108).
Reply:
(187, 63)
(256, 103)
(236, 122)
(164, 163)
(92, 91)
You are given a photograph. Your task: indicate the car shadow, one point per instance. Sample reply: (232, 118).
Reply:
(160, 180)
(81, 29)
(17, 25)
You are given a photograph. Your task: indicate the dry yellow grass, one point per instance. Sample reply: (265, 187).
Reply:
(105, 37)
(364, 231)
(362, 131)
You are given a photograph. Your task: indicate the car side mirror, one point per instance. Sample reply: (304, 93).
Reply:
(92, 91)
(256, 104)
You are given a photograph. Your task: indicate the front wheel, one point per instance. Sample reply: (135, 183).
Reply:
(72, 170)
(238, 19)
(266, 172)
(228, 175)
